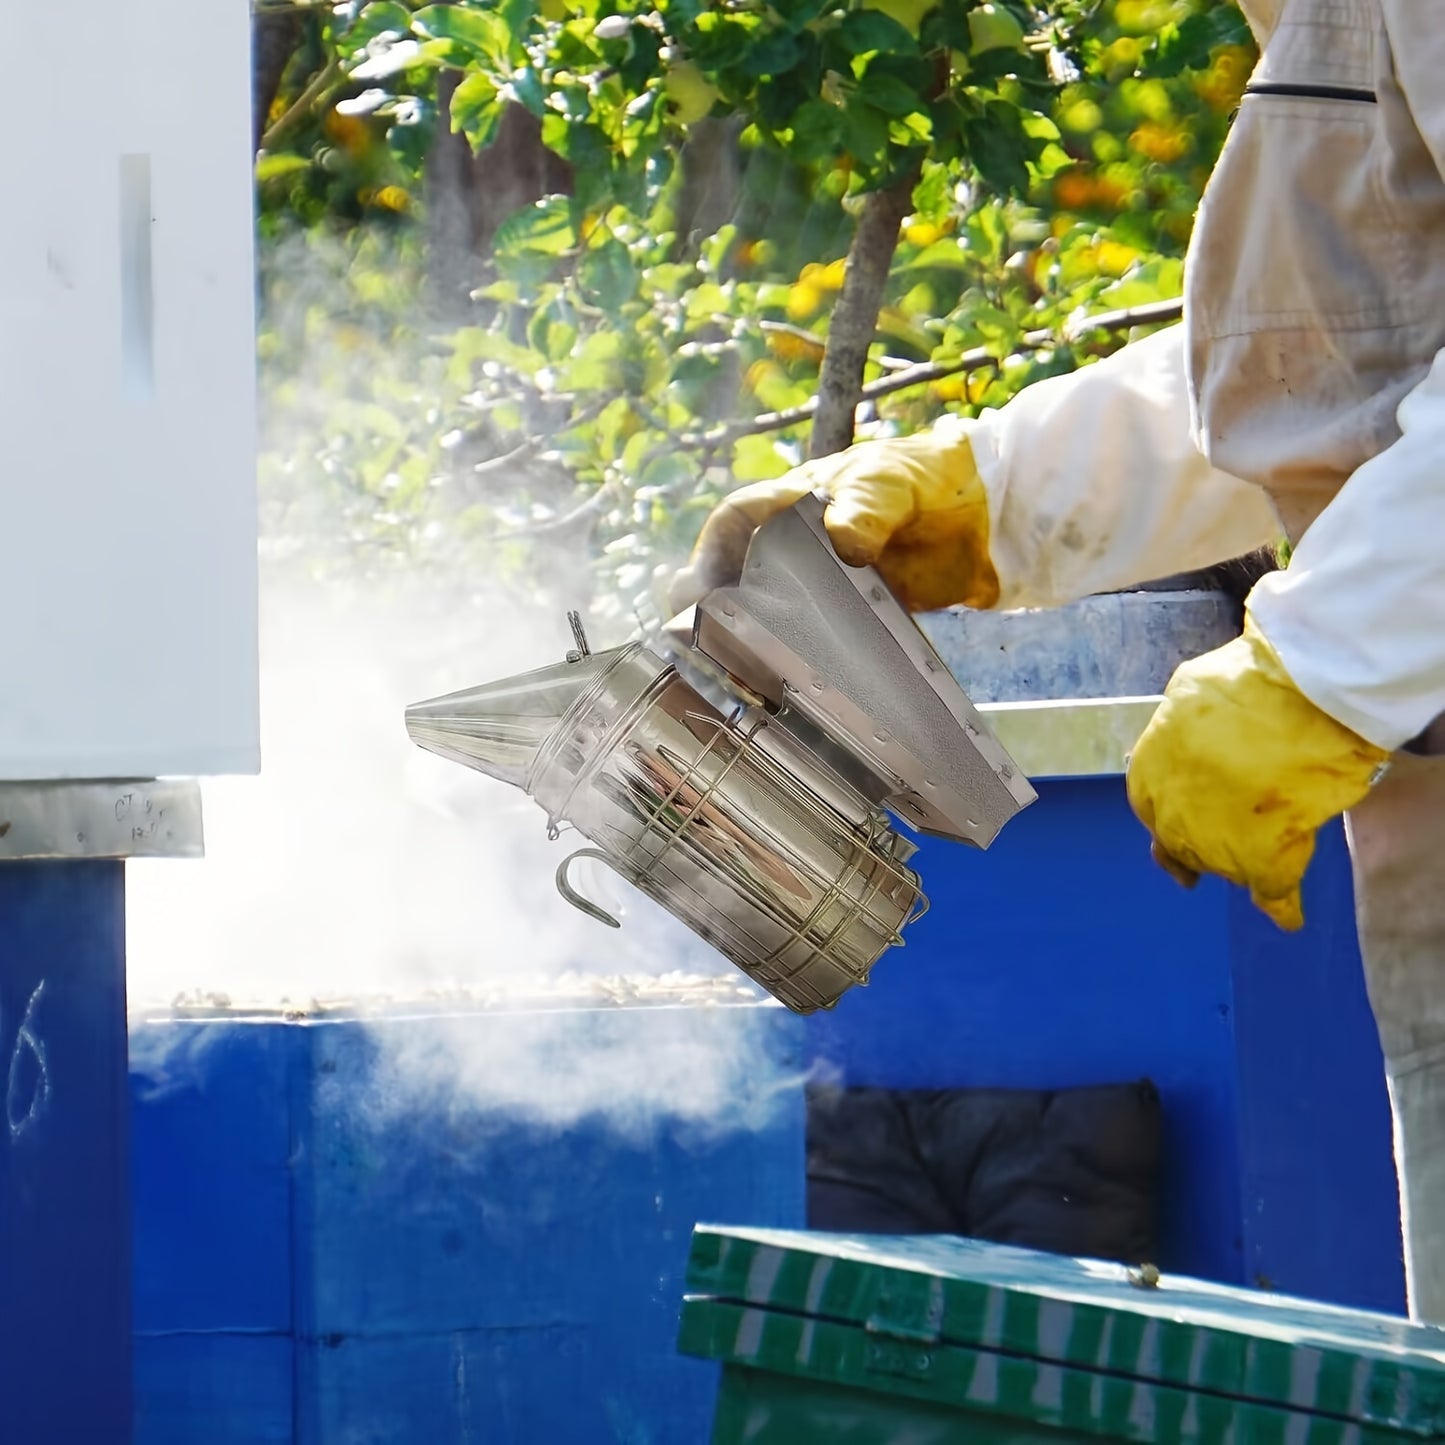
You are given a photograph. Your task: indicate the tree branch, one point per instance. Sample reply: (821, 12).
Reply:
(580, 512)
(1152, 314)
(855, 318)
(321, 82)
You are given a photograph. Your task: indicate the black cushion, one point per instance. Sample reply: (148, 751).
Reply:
(1071, 1171)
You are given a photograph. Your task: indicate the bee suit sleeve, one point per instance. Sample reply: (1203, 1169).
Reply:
(1358, 619)
(1094, 482)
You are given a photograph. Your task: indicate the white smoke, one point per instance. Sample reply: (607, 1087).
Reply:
(358, 867)
(360, 876)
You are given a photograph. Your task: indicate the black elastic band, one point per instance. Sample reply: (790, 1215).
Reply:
(1310, 92)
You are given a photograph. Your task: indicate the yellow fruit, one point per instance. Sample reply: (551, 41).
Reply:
(392, 198)
(804, 301)
(1124, 53)
(349, 132)
(951, 388)
(1222, 85)
(1115, 258)
(691, 94)
(922, 233)
(1163, 143)
(991, 27)
(1073, 190)
(789, 346)
(830, 277)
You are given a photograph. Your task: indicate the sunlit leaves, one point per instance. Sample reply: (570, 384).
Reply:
(615, 370)
(477, 109)
(482, 32)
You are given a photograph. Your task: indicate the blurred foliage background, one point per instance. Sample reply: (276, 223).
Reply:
(540, 281)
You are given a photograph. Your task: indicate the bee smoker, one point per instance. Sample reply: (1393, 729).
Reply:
(767, 831)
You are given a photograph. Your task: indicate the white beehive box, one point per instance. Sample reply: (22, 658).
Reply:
(127, 397)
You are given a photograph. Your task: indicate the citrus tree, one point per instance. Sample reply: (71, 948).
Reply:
(931, 204)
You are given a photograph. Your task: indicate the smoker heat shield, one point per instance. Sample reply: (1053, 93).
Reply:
(832, 644)
(765, 831)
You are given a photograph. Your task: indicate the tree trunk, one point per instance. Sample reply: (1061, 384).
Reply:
(274, 39)
(470, 195)
(712, 180)
(855, 318)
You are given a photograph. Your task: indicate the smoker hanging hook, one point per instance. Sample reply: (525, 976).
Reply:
(565, 888)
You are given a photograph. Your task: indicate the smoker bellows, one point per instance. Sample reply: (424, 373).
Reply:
(766, 831)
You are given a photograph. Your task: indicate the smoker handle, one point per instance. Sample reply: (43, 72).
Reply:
(565, 888)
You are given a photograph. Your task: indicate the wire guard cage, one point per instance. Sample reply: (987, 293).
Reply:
(750, 849)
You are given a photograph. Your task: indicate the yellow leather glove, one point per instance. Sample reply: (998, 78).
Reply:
(1238, 771)
(914, 507)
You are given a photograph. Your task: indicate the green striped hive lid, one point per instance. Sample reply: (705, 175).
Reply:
(1370, 1369)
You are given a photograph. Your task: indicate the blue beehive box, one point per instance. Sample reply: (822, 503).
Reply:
(335, 1246)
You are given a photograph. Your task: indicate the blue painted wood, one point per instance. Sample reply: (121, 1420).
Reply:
(1062, 956)
(211, 1145)
(214, 1389)
(442, 1215)
(452, 1275)
(65, 1356)
(548, 1383)
(1321, 1203)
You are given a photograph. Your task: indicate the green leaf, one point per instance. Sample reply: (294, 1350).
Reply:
(481, 31)
(607, 276)
(552, 333)
(757, 459)
(946, 254)
(771, 56)
(595, 364)
(271, 168)
(1187, 45)
(517, 16)
(816, 128)
(706, 300)
(999, 149)
(477, 109)
(933, 195)
(527, 87)
(545, 229)
(865, 30)
(987, 232)
(611, 425)
(375, 20)
(667, 470)
(889, 94)
(721, 41)
(472, 344)
(410, 135)
(865, 134)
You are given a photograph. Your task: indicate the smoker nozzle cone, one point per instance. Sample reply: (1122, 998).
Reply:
(500, 727)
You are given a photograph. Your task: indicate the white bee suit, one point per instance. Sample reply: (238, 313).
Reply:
(1305, 389)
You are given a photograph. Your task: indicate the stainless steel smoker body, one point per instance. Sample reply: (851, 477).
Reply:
(766, 831)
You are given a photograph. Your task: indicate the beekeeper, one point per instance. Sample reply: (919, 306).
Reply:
(1304, 392)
